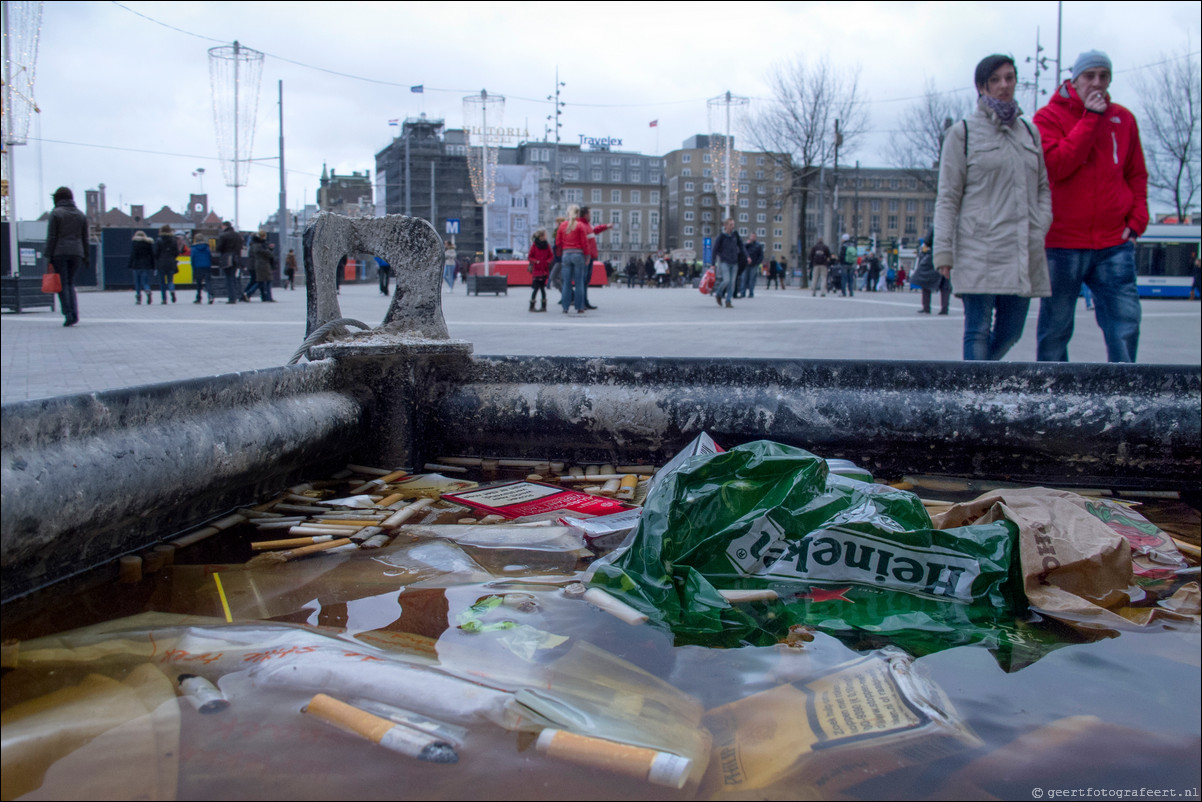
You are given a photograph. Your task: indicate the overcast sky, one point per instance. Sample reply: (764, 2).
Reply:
(125, 98)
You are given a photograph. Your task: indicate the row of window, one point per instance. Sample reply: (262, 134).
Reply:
(857, 224)
(893, 204)
(852, 182)
(576, 195)
(776, 247)
(687, 172)
(709, 230)
(685, 158)
(634, 162)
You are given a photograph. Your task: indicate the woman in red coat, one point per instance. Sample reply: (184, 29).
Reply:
(540, 258)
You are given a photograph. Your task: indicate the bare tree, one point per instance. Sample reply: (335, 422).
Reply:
(1170, 121)
(916, 144)
(797, 127)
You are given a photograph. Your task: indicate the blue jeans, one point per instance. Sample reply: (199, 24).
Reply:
(993, 324)
(166, 284)
(573, 281)
(142, 281)
(848, 284)
(1110, 275)
(749, 277)
(448, 276)
(727, 272)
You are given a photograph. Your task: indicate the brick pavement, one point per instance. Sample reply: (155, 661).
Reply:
(120, 344)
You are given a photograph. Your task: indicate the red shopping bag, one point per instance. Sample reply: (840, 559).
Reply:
(707, 281)
(51, 282)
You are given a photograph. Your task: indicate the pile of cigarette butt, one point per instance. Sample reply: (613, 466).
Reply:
(363, 507)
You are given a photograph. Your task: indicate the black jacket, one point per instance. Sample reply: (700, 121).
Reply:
(755, 253)
(67, 232)
(141, 254)
(729, 247)
(165, 251)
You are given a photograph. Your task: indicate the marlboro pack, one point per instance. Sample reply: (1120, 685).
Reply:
(522, 499)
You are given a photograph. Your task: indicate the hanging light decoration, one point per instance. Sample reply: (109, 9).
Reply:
(235, 72)
(482, 118)
(727, 113)
(22, 31)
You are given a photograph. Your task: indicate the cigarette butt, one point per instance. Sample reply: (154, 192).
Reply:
(594, 490)
(627, 485)
(607, 468)
(351, 522)
(392, 477)
(300, 498)
(363, 488)
(129, 570)
(555, 467)
(434, 466)
(377, 541)
(152, 562)
(618, 609)
(405, 513)
(387, 500)
(369, 470)
(596, 477)
(575, 470)
(468, 521)
(652, 765)
(337, 531)
(365, 534)
(204, 695)
(543, 468)
(489, 465)
(518, 463)
(492, 519)
(283, 523)
(611, 487)
(267, 505)
(1187, 548)
(470, 461)
(289, 543)
(534, 477)
(592, 470)
(306, 508)
(301, 488)
(195, 537)
(316, 547)
(379, 730)
(641, 470)
(256, 514)
(751, 595)
(168, 552)
(10, 653)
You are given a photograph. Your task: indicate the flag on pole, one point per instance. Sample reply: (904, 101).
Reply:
(394, 122)
(653, 123)
(417, 89)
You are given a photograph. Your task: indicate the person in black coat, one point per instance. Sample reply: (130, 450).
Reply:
(67, 249)
(141, 264)
(166, 249)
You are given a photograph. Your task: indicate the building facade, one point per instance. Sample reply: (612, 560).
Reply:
(348, 195)
(889, 206)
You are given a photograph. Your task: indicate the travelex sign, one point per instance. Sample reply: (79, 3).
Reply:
(600, 141)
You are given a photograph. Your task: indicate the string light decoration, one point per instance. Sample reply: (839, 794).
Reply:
(727, 113)
(482, 118)
(235, 72)
(22, 31)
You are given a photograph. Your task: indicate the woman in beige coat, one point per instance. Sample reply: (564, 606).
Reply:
(993, 208)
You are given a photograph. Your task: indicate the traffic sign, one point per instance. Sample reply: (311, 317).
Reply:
(452, 225)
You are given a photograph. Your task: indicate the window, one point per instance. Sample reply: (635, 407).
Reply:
(615, 160)
(571, 159)
(893, 204)
(911, 206)
(707, 230)
(707, 200)
(780, 218)
(778, 232)
(615, 196)
(596, 175)
(685, 158)
(688, 186)
(776, 246)
(686, 172)
(571, 173)
(875, 225)
(654, 178)
(688, 200)
(778, 176)
(615, 217)
(654, 196)
(874, 183)
(876, 204)
(708, 186)
(911, 225)
(761, 218)
(573, 195)
(705, 157)
(743, 159)
(653, 220)
(744, 188)
(636, 196)
(688, 243)
(615, 238)
(743, 173)
(743, 217)
(615, 175)
(688, 231)
(636, 178)
(759, 161)
(927, 222)
(762, 203)
(689, 216)
(707, 216)
(636, 218)
(891, 223)
(743, 231)
(911, 183)
(761, 190)
(596, 196)
(761, 232)
(759, 175)
(707, 173)
(928, 206)
(744, 203)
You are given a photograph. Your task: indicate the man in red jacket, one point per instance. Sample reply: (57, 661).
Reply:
(1099, 206)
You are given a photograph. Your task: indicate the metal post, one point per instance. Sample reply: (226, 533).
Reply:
(237, 47)
(729, 192)
(408, 208)
(433, 205)
(283, 188)
(14, 250)
(484, 169)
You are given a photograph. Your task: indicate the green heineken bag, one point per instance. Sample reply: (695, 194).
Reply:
(855, 559)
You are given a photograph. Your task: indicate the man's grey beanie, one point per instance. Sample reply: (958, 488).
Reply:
(1091, 59)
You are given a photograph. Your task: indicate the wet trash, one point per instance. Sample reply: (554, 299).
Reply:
(386, 733)
(204, 695)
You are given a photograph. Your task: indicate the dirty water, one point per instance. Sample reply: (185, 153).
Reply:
(492, 645)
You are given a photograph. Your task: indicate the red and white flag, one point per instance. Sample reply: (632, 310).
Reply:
(653, 123)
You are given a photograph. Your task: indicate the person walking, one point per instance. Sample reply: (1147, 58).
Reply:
(571, 242)
(848, 258)
(729, 252)
(539, 257)
(263, 263)
(166, 249)
(202, 267)
(141, 264)
(591, 253)
(449, 265)
(874, 273)
(67, 249)
(755, 263)
(1099, 182)
(992, 210)
(229, 253)
(383, 273)
(290, 269)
